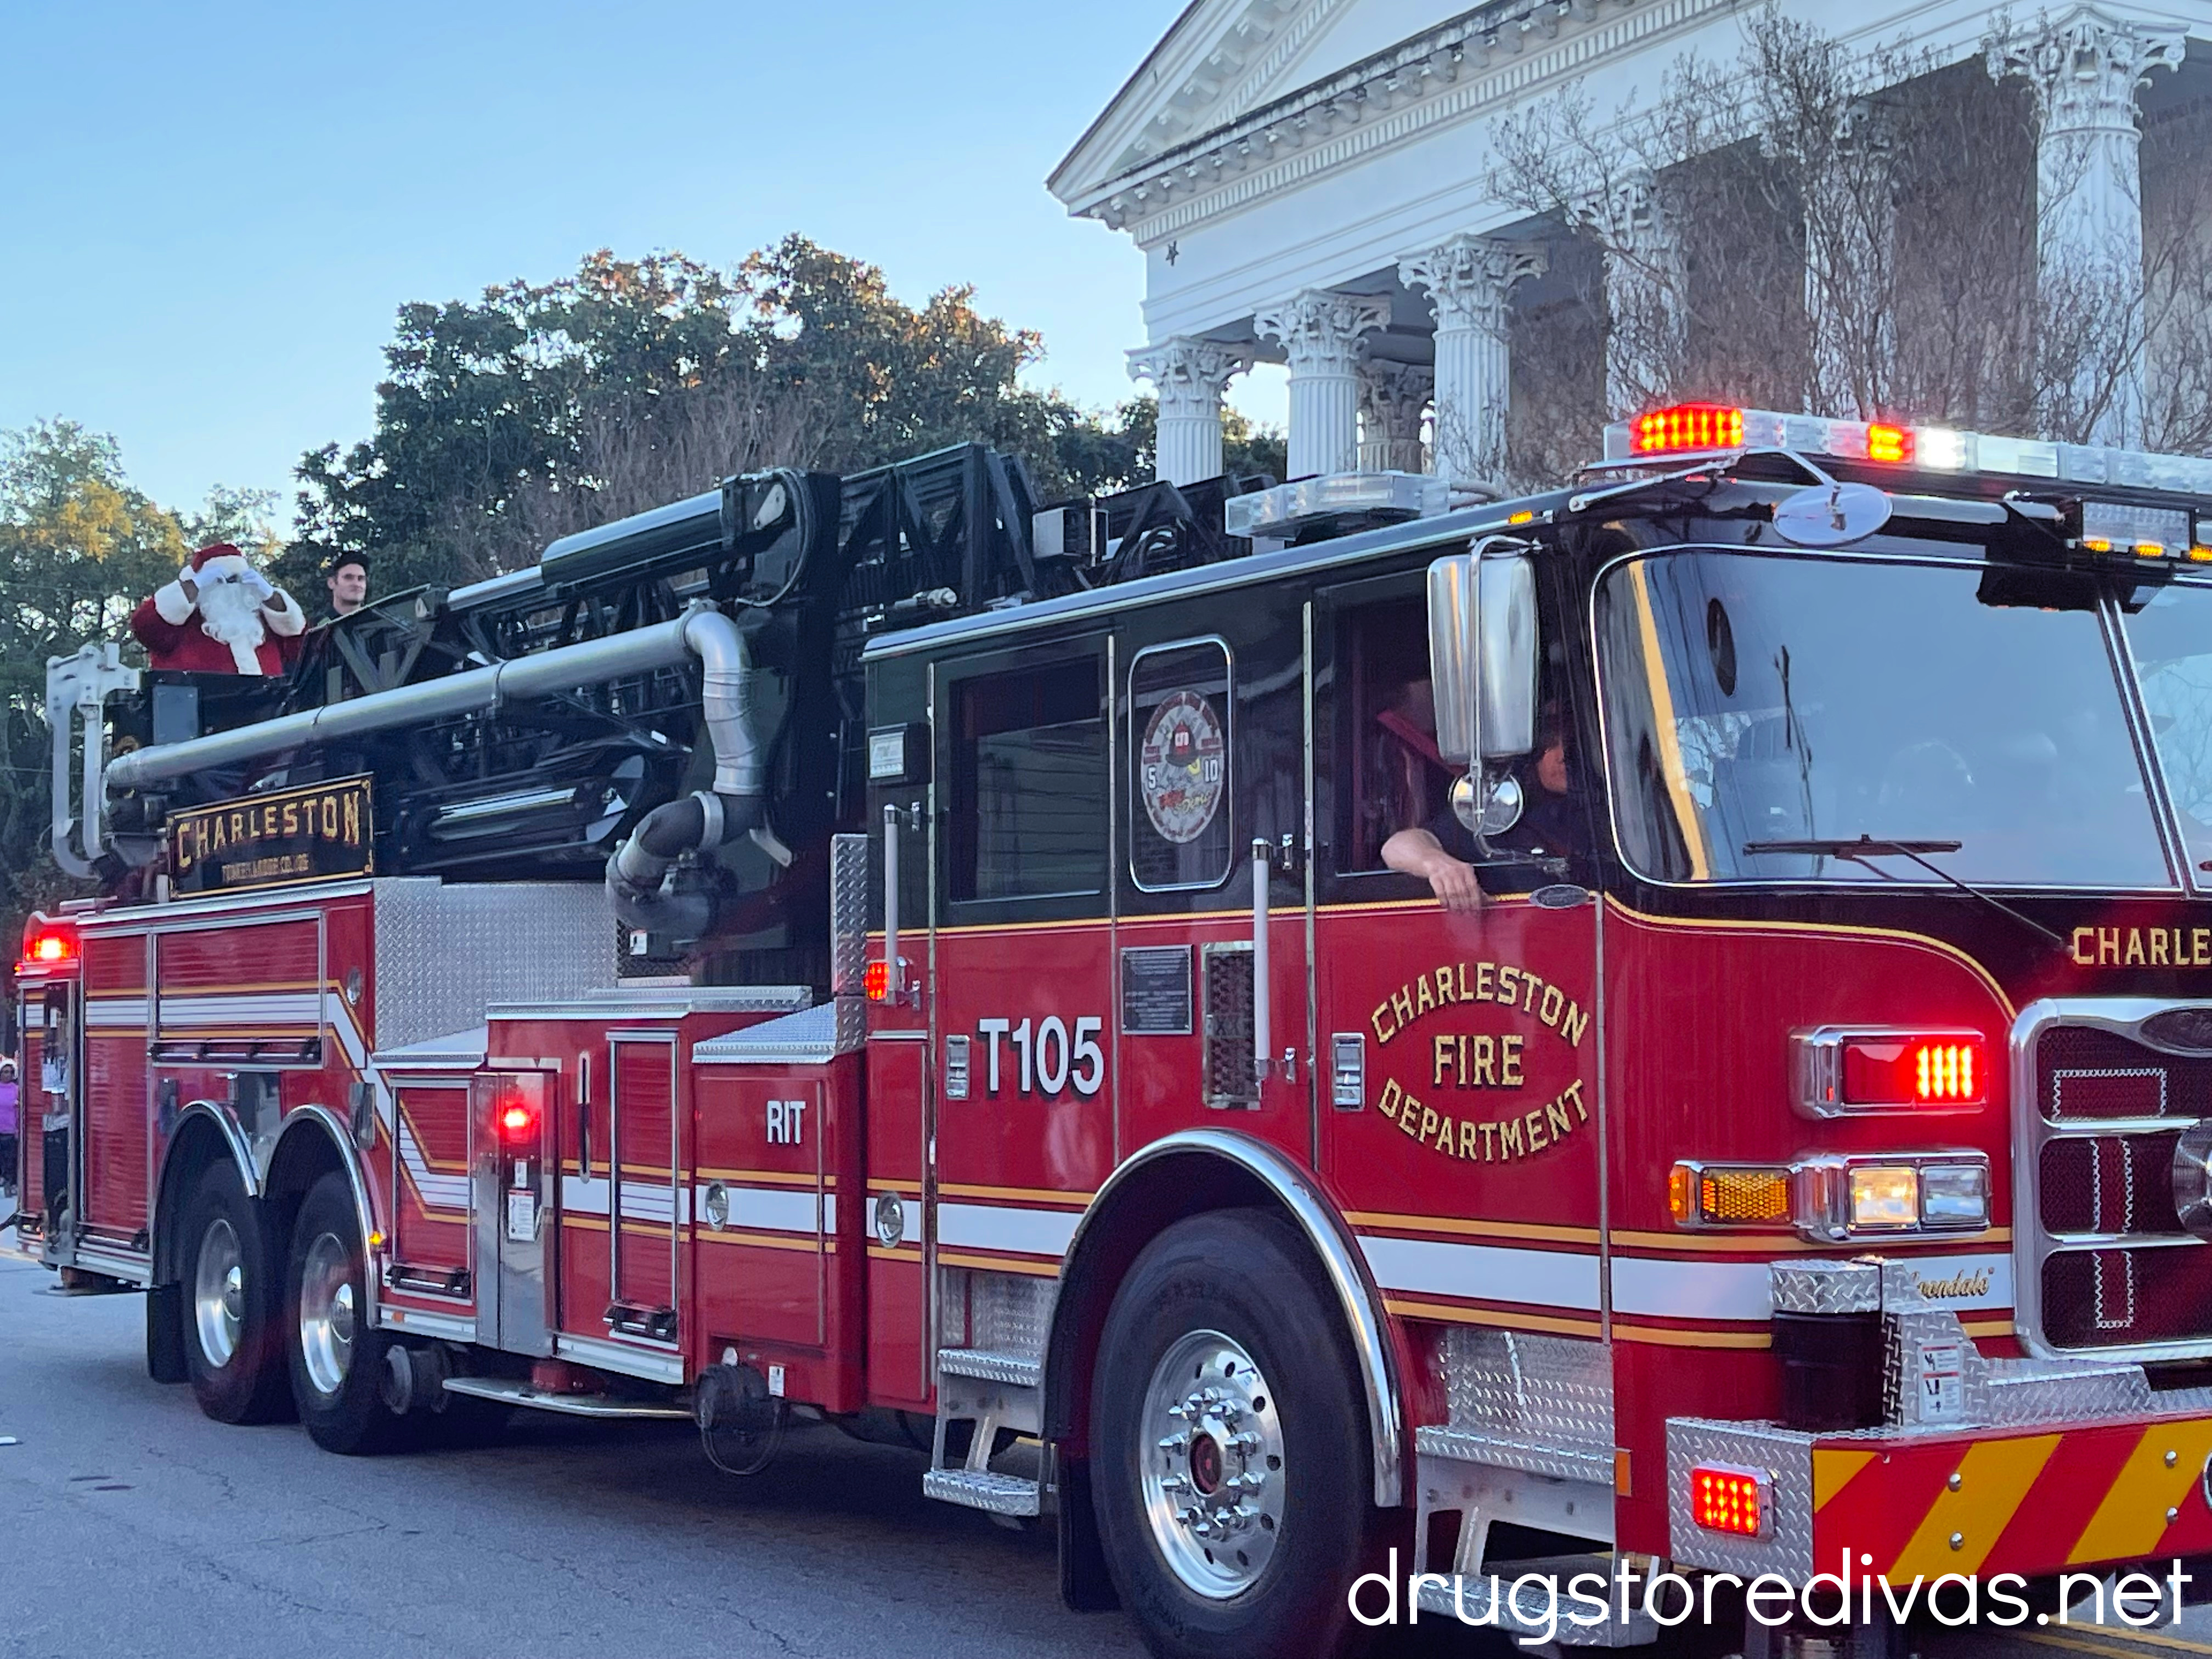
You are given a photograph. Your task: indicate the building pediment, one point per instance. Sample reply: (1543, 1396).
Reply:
(1221, 59)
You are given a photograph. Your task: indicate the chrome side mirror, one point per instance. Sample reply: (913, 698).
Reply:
(1482, 668)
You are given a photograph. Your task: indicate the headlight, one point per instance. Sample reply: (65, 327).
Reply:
(1884, 1196)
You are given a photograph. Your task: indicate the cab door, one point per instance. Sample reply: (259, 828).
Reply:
(1211, 715)
(1023, 949)
(1461, 1070)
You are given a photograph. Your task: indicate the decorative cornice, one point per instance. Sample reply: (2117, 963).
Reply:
(1321, 330)
(1480, 59)
(1469, 278)
(2083, 69)
(1187, 371)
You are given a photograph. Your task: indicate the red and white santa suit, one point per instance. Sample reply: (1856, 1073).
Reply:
(220, 616)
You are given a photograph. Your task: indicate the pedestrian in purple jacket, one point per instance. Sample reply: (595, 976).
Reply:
(9, 1129)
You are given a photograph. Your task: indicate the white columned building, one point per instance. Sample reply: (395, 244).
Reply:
(1469, 280)
(2085, 70)
(1189, 376)
(1321, 334)
(1317, 183)
(1393, 400)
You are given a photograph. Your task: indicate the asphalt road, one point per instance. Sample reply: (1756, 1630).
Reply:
(133, 1525)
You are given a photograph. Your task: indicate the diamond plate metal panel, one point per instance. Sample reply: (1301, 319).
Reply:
(812, 1037)
(1934, 1377)
(1561, 1462)
(1554, 1389)
(848, 915)
(1023, 1371)
(2017, 1393)
(1826, 1287)
(1011, 1312)
(979, 1489)
(446, 952)
(1784, 1456)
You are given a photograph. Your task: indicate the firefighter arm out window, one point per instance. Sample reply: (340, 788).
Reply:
(1759, 709)
(1029, 811)
(1395, 811)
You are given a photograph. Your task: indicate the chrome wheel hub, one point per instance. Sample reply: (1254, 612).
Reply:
(1212, 1465)
(326, 1313)
(219, 1293)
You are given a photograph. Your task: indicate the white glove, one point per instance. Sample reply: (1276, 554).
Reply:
(257, 585)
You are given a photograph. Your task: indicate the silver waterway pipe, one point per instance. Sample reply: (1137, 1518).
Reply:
(734, 805)
(592, 662)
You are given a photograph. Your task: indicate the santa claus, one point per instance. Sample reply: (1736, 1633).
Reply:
(220, 616)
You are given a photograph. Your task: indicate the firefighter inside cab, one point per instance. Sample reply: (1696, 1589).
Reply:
(1441, 848)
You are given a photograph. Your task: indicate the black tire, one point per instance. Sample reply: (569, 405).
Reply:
(1247, 1276)
(338, 1371)
(230, 1325)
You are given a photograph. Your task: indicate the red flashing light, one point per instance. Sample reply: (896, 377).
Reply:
(516, 1119)
(1889, 443)
(1723, 1499)
(45, 949)
(876, 981)
(1686, 427)
(1950, 1070)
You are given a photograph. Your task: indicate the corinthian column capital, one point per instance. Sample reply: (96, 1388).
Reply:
(1183, 369)
(1321, 330)
(1469, 278)
(2084, 69)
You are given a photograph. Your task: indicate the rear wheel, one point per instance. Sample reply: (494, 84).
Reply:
(335, 1361)
(1229, 1446)
(230, 1304)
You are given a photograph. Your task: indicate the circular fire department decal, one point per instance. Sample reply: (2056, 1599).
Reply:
(1182, 763)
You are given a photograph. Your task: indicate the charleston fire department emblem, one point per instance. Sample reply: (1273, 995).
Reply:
(1183, 763)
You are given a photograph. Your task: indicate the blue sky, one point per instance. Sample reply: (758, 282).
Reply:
(209, 214)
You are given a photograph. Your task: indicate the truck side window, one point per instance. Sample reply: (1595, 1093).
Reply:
(1395, 776)
(1028, 815)
(1181, 742)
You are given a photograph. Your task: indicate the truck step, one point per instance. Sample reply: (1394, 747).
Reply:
(979, 1489)
(990, 1366)
(1561, 1460)
(1524, 1614)
(509, 1392)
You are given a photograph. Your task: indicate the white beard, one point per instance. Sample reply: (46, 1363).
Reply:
(232, 616)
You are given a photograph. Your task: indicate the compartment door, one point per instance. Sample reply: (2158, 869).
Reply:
(510, 1114)
(645, 1194)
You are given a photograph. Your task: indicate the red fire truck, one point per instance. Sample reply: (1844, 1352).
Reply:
(880, 951)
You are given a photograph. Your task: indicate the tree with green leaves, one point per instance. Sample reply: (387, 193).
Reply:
(79, 547)
(544, 408)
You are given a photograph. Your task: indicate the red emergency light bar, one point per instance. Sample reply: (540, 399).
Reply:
(1707, 428)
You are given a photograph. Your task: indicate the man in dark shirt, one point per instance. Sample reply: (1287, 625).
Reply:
(1441, 852)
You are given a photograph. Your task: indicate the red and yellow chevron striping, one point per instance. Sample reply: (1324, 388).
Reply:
(2036, 1501)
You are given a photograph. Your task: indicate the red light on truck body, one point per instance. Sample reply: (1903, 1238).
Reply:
(1915, 1071)
(1841, 1069)
(46, 947)
(516, 1119)
(1723, 1499)
(876, 980)
(1686, 427)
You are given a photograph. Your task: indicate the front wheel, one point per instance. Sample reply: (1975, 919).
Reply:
(1229, 1446)
(230, 1304)
(335, 1361)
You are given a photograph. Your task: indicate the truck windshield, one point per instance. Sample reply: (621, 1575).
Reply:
(1755, 698)
(2170, 639)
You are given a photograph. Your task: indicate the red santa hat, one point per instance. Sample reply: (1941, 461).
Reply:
(215, 551)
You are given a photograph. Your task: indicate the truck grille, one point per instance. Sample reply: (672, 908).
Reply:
(2106, 1265)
